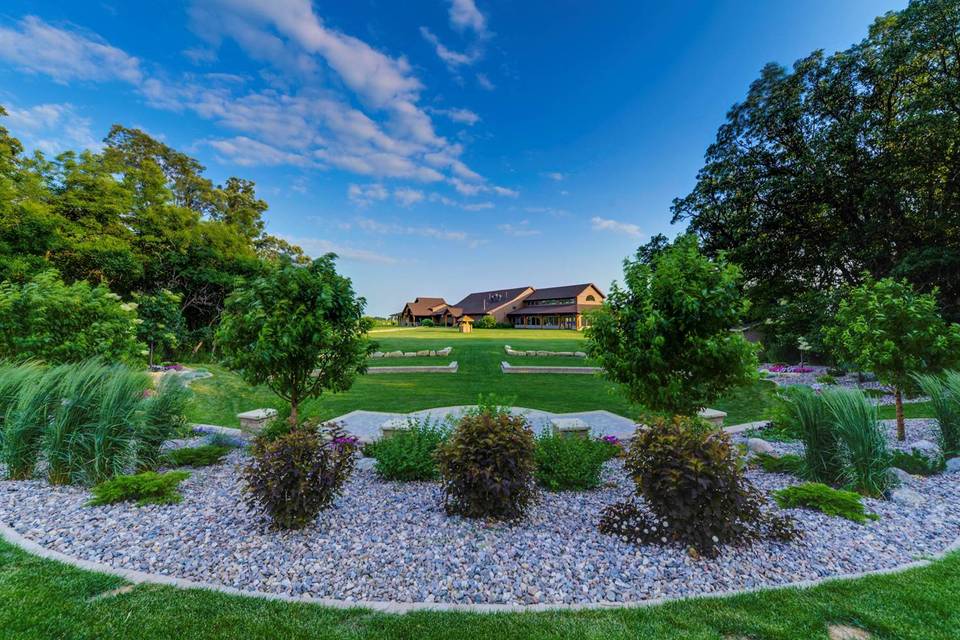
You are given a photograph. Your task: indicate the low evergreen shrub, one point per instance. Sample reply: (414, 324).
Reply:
(148, 487)
(570, 464)
(833, 502)
(297, 475)
(202, 456)
(410, 454)
(487, 465)
(789, 463)
(693, 484)
(916, 463)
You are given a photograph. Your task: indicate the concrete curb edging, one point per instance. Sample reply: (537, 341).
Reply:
(453, 367)
(506, 367)
(139, 577)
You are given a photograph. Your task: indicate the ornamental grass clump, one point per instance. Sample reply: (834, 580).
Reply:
(863, 443)
(487, 466)
(27, 418)
(694, 492)
(79, 395)
(143, 488)
(410, 454)
(163, 419)
(822, 451)
(944, 393)
(297, 475)
(570, 464)
(818, 496)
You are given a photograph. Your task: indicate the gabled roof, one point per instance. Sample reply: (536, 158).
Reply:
(548, 309)
(568, 291)
(483, 302)
(425, 306)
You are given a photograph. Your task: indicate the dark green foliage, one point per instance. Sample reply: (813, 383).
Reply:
(202, 456)
(570, 464)
(665, 336)
(487, 466)
(299, 329)
(162, 419)
(144, 488)
(296, 476)
(693, 484)
(485, 322)
(409, 454)
(864, 445)
(161, 327)
(944, 393)
(916, 463)
(426, 322)
(788, 463)
(833, 502)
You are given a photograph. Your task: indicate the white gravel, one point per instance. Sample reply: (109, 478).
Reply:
(392, 541)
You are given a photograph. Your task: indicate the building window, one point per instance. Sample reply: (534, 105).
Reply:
(590, 298)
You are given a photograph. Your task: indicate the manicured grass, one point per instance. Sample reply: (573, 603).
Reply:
(41, 600)
(218, 399)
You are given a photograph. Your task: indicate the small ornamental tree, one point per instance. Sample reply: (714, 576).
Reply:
(886, 327)
(161, 322)
(300, 330)
(667, 337)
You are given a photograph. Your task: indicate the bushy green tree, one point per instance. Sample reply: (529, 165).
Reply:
(886, 327)
(161, 323)
(299, 329)
(48, 320)
(666, 334)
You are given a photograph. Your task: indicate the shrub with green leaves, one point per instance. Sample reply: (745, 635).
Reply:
(202, 456)
(944, 393)
(863, 442)
(410, 454)
(143, 488)
(487, 466)
(570, 464)
(296, 476)
(833, 502)
(427, 322)
(916, 463)
(789, 463)
(693, 484)
(163, 419)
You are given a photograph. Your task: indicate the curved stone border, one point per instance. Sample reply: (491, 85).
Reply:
(453, 367)
(506, 367)
(139, 577)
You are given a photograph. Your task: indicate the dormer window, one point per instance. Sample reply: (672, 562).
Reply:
(590, 298)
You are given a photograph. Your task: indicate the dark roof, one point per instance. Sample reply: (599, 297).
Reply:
(568, 291)
(549, 309)
(425, 306)
(483, 302)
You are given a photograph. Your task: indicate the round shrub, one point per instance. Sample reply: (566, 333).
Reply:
(692, 482)
(570, 464)
(410, 454)
(296, 476)
(427, 322)
(487, 466)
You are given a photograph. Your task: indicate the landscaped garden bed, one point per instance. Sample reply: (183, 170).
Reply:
(393, 541)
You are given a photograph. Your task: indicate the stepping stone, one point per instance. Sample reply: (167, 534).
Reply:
(844, 632)
(760, 446)
(907, 497)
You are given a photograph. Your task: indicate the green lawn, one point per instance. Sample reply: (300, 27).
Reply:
(42, 600)
(220, 398)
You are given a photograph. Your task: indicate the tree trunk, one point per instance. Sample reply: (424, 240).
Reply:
(151, 353)
(294, 402)
(901, 429)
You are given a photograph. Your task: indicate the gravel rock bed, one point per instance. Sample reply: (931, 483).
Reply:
(848, 381)
(392, 541)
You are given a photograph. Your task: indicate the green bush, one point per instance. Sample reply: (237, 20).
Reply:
(822, 454)
(788, 463)
(144, 488)
(826, 378)
(485, 322)
(163, 419)
(864, 445)
(202, 456)
(833, 502)
(296, 476)
(410, 454)
(916, 463)
(570, 464)
(944, 393)
(487, 466)
(694, 486)
(426, 322)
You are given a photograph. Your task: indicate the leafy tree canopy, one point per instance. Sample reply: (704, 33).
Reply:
(666, 335)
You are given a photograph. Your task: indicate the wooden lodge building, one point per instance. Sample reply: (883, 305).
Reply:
(564, 307)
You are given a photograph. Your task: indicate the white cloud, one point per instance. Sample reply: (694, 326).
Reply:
(365, 194)
(248, 152)
(316, 247)
(484, 82)
(551, 211)
(52, 128)
(465, 15)
(463, 116)
(477, 206)
(65, 54)
(453, 59)
(406, 196)
(375, 226)
(625, 228)
(503, 191)
(474, 188)
(554, 175)
(520, 230)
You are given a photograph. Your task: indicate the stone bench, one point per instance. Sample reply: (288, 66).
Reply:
(713, 416)
(256, 419)
(570, 428)
(393, 426)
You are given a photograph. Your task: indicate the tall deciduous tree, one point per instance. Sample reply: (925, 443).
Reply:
(299, 329)
(843, 164)
(667, 337)
(888, 328)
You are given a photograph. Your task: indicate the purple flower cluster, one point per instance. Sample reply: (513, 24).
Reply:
(783, 368)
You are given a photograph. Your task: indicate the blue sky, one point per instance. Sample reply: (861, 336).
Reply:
(438, 146)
